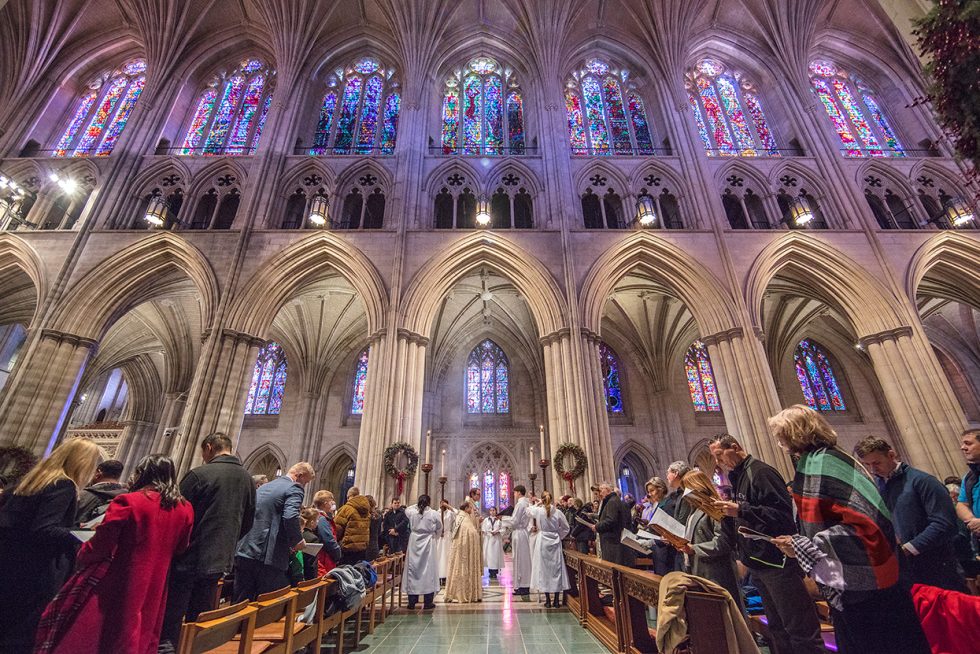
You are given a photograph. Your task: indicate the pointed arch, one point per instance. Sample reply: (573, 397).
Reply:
(615, 178)
(528, 178)
(739, 168)
(131, 276)
(17, 257)
(833, 277)
(257, 302)
(430, 284)
(264, 454)
(306, 173)
(436, 179)
(702, 293)
(349, 175)
(952, 259)
(204, 178)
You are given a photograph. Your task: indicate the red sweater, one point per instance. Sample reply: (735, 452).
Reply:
(951, 620)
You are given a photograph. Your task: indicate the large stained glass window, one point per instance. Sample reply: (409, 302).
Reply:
(503, 490)
(487, 379)
(701, 378)
(494, 487)
(359, 110)
(605, 112)
(231, 112)
(736, 123)
(268, 381)
(610, 378)
(817, 379)
(360, 383)
(854, 111)
(483, 110)
(103, 109)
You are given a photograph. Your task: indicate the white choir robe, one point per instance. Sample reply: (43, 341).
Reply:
(445, 542)
(520, 546)
(421, 575)
(493, 543)
(549, 574)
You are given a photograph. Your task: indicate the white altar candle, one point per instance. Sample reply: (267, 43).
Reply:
(541, 439)
(532, 458)
(442, 466)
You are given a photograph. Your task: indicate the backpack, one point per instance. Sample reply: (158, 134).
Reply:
(367, 573)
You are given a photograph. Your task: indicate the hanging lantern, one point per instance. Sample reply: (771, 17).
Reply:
(483, 212)
(800, 212)
(156, 212)
(318, 210)
(646, 211)
(958, 213)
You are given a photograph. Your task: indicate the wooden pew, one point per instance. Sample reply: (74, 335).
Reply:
(214, 631)
(573, 564)
(604, 621)
(638, 591)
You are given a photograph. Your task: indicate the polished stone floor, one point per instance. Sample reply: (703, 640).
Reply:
(500, 623)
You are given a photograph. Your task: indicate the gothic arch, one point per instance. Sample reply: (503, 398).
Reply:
(529, 179)
(616, 179)
(738, 168)
(436, 179)
(649, 460)
(312, 168)
(130, 277)
(712, 306)
(270, 451)
(332, 465)
(349, 175)
(678, 186)
(428, 287)
(343, 53)
(835, 279)
(16, 258)
(699, 456)
(482, 452)
(204, 179)
(142, 182)
(952, 258)
(256, 304)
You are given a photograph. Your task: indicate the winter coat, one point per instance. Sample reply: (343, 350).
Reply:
(614, 517)
(355, 520)
(94, 500)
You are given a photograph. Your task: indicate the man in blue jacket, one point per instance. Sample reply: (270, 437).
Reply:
(924, 518)
(263, 553)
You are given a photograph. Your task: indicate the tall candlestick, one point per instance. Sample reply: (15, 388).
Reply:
(442, 465)
(532, 459)
(541, 439)
(428, 445)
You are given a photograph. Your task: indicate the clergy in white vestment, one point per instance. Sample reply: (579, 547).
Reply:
(493, 543)
(447, 516)
(421, 576)
(519, 544)
(548, 568)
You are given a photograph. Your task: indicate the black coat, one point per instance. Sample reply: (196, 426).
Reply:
(614, 516)
(764, 505)
(37, 553)
(92, 500)
(223, 496)
(397, 520)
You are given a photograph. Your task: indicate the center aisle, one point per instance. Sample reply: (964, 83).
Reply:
(500, 623)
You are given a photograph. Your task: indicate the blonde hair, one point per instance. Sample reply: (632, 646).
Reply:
(310, 516)
(801, 429)
(696, 480)
(322, 498)
(302, 468)
(74, 459)
(547, 501)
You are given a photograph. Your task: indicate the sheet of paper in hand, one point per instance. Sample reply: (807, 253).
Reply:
(752, 534)
(312, 548)
(93, 523)
(669, 529)
(83, 535)
(629, 539)
(699, 500)
(582, 521)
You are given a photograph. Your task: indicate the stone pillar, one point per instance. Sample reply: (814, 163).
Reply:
(312, 426)
(173, 407)
(747, 393)
(39, 395)
(921, 403)
(216, 399)
(602, 466)
(137, 440)
(368, 470)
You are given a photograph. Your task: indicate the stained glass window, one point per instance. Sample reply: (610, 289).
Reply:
(701, 378)
(487, 379)
(231, 112)
(601, 101)
(483, 110)
(853, 109)
(360, 382)
(268, 381)
(503, 493)
(366, 121)
(104, 108)
(489, 490)
(610, 378)
(817, 379)
(736, 123)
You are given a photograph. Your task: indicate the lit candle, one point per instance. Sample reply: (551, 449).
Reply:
(532, 458)
(442, 465)
(428, 446)
(541, 438)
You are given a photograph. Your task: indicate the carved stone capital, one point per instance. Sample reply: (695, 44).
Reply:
(412, 337)
(721, 337)
(71, 339)
(242, 337)
(887, 335)
(590, 336)
(555, 336)
(376, 337)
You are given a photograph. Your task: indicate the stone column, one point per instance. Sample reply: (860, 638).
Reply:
(173, 407)
(137, 440)
(921, 403)
(39, 395)
(602, 467)
(368, 469)
(216, 399)
(747, 393)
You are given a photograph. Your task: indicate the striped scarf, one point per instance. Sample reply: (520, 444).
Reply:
(850, 541)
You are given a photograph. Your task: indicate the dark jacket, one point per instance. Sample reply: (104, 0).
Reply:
(924, 518)
(223, 496)
(577, 530)
(713, 556)
(676, 507)
(375, 540)
(37, 552)
(276, 528)
(94, 500)
(613, 518)
(764, 506)
(397, 520)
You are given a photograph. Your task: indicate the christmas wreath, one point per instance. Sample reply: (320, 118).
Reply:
(15, 462)
(577, 470)
(392, 469)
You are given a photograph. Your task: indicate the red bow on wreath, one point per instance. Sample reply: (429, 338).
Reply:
(400, 477)
(570, 478)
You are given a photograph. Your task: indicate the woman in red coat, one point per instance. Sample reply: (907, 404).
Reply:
(114, 603)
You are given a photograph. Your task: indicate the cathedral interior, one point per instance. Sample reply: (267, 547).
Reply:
(480, 228)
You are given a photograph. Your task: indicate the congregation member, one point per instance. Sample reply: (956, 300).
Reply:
(548, 572)
(664, 559)
(582, 535)
(421, 575)
(444, 545)
(37, 548)
(762, 504)
(493, 543)
(309, 516)
(709, 553)
(847, 542)
(676, 508)
(614, 517)
(353, 523)
(395, 526)
(104, 487)
(520, 545)
(330, 554)
(968, 504)
(116, 599)
(924, 519)
(262, 557)
(374, 535)
(466, 558)
(222, 495)
(259, 481)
